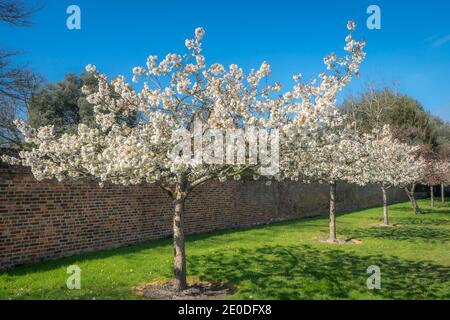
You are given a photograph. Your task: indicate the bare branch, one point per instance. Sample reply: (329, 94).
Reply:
(17, 12)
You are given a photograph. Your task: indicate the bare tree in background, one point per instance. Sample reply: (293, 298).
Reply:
(379, 104)
(15, 98)
(17, 12)
(18, 84)
(371, 108)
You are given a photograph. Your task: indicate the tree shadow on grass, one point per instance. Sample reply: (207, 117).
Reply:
(403, 232)
(407, 209)
(302, 272)
(424, 207)
(241, 232)
(132, 251)
(127, 252)
(421, 221)
(436, 210)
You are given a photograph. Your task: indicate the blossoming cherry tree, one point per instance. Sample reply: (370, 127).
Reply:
(318, 144)
(390, 163)
(175, 93)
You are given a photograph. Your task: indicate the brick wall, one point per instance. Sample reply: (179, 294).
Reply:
(45, 220)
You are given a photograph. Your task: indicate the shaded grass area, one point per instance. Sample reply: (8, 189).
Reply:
(280, 261)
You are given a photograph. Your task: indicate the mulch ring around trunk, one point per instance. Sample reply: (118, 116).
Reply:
(338, 241)
(196, 290)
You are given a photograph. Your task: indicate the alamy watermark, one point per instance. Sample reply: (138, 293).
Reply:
(374, 20)
(374, 280)
(73, 282)
(73, 21)
(250, 146)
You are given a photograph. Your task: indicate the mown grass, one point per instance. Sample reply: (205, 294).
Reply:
(280, 261)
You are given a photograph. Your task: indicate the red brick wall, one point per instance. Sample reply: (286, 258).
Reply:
(45, 220)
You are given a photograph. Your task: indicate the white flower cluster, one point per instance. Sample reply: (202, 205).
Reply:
(390, 162)
(336, 152)
(321, 147)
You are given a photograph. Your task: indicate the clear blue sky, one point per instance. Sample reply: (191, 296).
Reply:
(412, 47)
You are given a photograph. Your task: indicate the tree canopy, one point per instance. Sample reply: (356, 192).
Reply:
(406, 117)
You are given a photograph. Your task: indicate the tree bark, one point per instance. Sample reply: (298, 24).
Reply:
(179, 264)
(442, 193)
(432, 196)
(416, 208)
(385, 206)
(332, 236)
(412, 198)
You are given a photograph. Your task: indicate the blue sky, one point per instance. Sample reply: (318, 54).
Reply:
(412, 47)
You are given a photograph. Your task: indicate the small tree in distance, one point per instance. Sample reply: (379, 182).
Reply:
(431, 171)
(443, 175)
(333, 154)
(391, 163)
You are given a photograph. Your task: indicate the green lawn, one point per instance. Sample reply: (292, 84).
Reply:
(281, 261)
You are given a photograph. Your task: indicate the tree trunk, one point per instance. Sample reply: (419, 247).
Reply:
(178, 243)
(432, 196)
(415, 205)
(442, 193)
(385, 206)
(332, 212)
(412, 198)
